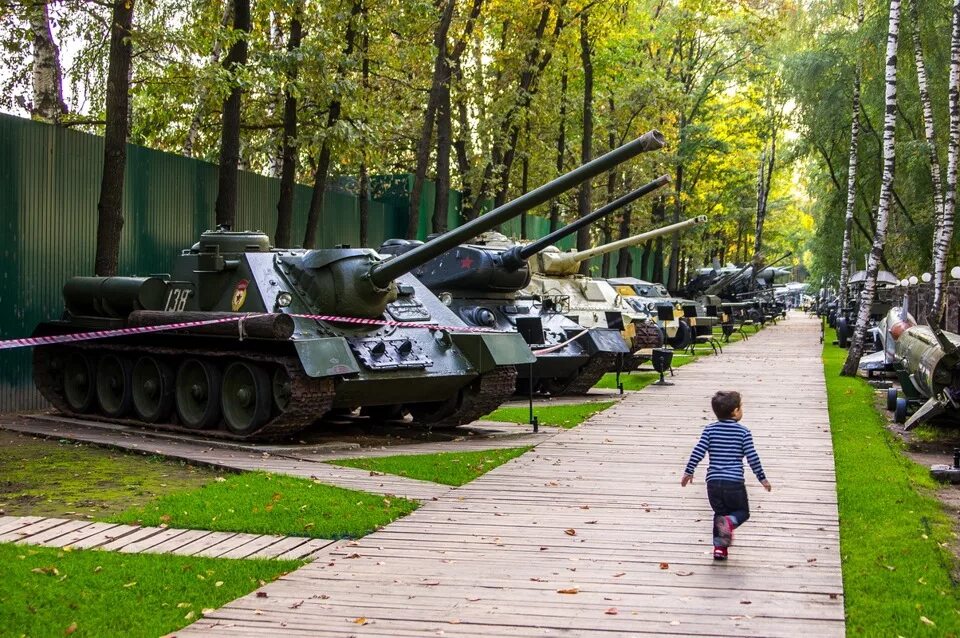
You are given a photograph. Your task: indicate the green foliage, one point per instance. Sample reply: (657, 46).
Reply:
(448, 468)
(261, 503)
(564, 415)
(54, 592)
(894, 535)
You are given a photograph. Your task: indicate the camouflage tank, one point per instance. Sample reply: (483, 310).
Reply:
(325, 329)
(680, 320)
(594, 302)
(481, 282)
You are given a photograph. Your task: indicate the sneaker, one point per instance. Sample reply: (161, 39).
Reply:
(719, 553)
(725, 529)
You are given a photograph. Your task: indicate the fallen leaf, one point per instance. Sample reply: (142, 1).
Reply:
(684, 573)
(811, 560)
(833, 596)
(219, 583)
(590, 522)
(570, 532)
(619, 574)
(927, 621)
(97, 569)
(612, 611)
(745, 602)
(49, 571)
(664, 565)
(261, 594)
(296, 604)
(473, 600)
(359, 621)
(220, 479)
(454, 621)
(354, 556)
(190, 615)
(183, 605)
(584, 507)
(257, 612)
(69, 630)
(569, 590)
(538, 580)
(130, 584)
(674, 622)
(353, 544)
(543, 549)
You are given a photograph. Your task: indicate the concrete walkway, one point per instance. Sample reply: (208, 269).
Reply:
(590, 534)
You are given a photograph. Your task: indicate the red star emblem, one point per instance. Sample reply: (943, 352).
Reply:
(466, 263)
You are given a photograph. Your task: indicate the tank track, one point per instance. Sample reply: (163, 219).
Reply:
(310, 398)
(648, 335)
(481, 397)
(590, 374)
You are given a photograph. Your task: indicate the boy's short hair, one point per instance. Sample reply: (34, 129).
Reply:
(724, 403)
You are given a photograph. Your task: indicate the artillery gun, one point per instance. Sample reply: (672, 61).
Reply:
(594, 302)
(481, 282)
(335, 328)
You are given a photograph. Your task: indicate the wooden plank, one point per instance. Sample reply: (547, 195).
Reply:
(18, 522)
(302, 551)
(79, 534)
(106, 536)
(280, 547)
(34, 528)
(55, 532)
(195, 547)
(252, 547)
(144, 544)
(227, 545)
(177, 541)
(136, 536)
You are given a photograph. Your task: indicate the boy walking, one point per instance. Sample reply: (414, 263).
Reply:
(727, 442)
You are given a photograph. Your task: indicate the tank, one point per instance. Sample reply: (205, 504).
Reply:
(304, 332)
(594, 302)
(680, 320)
(482, 283)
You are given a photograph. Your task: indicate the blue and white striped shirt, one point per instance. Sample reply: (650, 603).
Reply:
(727, 442)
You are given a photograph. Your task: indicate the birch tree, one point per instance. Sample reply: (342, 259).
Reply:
(945, 235)
(851, 171)
(48, 101)
(886, 191)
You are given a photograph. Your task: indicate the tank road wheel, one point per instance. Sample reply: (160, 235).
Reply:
(152, 389)
(281, 386)
(246, 397)
(79, 383)
(843, 333)
(681, 341)
(900, 412)
(891, 399)
(197, 394)
(114, 384)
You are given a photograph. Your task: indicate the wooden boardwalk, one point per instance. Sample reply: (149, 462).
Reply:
(134, 539)
(591, 534)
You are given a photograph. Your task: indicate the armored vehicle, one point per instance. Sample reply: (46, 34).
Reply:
(680, 320)
(318, 330)
(845, 316)
(594, 302)
(481, 282)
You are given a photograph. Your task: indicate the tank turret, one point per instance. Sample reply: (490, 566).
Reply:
(302, 332)
(554, 263)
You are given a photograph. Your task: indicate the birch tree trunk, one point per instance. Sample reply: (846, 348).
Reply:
(886, 191)
(226, 205)
(110, 205)
(585, 194)
(288, 162)
(945, 237)
(851, 172)
(48, 101)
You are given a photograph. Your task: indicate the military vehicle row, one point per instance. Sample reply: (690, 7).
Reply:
(343, 328)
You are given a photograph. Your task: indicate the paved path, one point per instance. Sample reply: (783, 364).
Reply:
(591, 535)
(134, 539)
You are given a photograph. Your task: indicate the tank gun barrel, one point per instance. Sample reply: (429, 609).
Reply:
(589, 253)
(517, 256)
(382, 274)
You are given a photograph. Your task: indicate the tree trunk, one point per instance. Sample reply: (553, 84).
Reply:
(659, 216)
(606, 223)
(363, 192)
(288, 165)
(675, 240)
(763, 193)
(333, 116)
(561, 149)
(442, 197)
(886, 187)
(203, 87)
(48, 101)
(851, 173)
(625, 259)
(585, 193)
(110, 205)
(945, 237)
(226, 205)
(441, 75)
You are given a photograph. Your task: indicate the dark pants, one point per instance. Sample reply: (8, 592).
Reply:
(728, 498)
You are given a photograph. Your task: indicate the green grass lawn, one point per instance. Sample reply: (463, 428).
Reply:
(261, 503)
(447, 468)
(43, 477)
(565, 415)
(52, 592)
(894, 534)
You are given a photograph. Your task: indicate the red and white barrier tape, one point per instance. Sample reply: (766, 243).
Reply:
(537, 353)
(29, 342)
(105, 334)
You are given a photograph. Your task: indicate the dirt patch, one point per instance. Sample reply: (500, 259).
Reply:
(44, 477)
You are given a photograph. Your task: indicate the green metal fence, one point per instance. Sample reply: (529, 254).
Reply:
(49, 186)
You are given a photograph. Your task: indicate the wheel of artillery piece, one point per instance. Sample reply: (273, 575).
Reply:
(756, 316)
(114, 384)
(245, 397)
(197, 393)
(891, 399)
(843, 333)
(79, 382)
(900, 412)
(152, 389)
